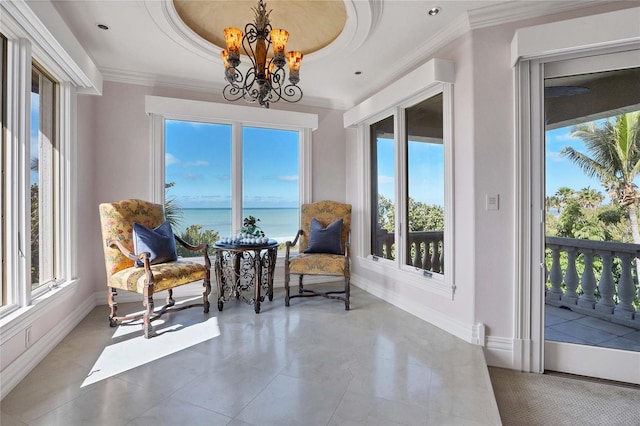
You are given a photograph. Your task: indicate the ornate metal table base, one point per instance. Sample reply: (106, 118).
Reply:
(241, 267)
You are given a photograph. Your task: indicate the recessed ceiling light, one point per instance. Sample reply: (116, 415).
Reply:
(433, 11)
(103, 27)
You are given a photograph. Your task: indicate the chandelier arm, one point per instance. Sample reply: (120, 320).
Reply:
(293, 93)
(232, 92)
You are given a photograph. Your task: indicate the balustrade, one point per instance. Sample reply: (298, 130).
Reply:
(612, 297)
(426, 249)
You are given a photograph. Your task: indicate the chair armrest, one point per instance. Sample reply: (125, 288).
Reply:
(290, 244)
(144, 256)
(204, 247)
(111, 242)
(188, 246)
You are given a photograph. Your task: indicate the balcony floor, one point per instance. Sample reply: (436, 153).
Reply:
(563, 325)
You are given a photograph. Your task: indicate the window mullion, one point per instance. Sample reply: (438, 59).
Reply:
(236, 177)
(305, 166)
(400, 131)
(157, 164)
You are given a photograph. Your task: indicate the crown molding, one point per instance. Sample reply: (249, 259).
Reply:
(516, 11)
(152, 80)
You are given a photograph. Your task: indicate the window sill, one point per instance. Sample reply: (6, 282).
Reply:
(435, 284)
(15, 319)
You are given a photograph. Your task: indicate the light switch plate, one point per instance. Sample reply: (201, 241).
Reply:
(493, 201)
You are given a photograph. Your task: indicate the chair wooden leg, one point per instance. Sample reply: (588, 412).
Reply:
(207, 291)
(170, 301)
(113, 305)
(147, 294)
(286, 288)
(300, 287)
(347, 293)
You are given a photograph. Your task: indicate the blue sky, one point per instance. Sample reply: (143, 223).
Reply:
(198, 160)
(426, 171)
(559, 170)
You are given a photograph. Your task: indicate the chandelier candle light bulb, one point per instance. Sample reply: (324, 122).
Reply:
(264, 81)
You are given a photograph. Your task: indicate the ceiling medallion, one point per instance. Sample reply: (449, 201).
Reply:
(265, 80)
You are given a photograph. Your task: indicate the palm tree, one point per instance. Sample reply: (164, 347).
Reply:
(590, 198)
(560, 199)
(614, 158)
(172, 211)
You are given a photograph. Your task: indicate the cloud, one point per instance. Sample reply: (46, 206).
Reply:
(555, 156)
(385, 179)
(565, 137)
(198, 163)
(192, 176)
(170, 159)
(289, 178)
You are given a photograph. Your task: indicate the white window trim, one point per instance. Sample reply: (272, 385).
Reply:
(162, 108)
(22, 48)
(437, 76)
(531, 48)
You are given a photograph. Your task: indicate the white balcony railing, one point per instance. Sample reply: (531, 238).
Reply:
(610, 297)
(426, 248)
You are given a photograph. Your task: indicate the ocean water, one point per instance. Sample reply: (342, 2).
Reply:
(279, 224)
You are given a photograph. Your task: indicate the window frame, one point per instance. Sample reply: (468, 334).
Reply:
(160, 109)
(438, 77)
(3, 144)
(48, 195)
(21, 58)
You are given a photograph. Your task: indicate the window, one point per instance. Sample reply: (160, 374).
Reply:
(36, 186)
(199, 170)
(421, 215)
(383, 182)
(42, 179)
(405, 172)
(424, 223)
(219, 168)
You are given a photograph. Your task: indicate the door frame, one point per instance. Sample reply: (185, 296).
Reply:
(532, 48)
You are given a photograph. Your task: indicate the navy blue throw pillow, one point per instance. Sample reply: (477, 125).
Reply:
(159, 242)
(325, 240)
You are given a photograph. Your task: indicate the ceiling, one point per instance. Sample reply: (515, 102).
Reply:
(147, 41)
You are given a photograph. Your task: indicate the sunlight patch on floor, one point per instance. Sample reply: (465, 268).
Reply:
(136, 351)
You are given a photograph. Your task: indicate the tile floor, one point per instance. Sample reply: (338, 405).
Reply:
(310, 364)
(563, 325)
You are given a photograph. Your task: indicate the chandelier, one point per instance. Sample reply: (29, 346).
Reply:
(265, 80)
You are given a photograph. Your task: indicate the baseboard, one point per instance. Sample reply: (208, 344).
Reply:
(15, 372)
(464, 331)
(498, 352)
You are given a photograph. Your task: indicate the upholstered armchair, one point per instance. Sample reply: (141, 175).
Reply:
(130, 223)
(323, 250)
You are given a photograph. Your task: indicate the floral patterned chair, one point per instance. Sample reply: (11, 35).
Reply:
(117, 220)
(324, 249)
